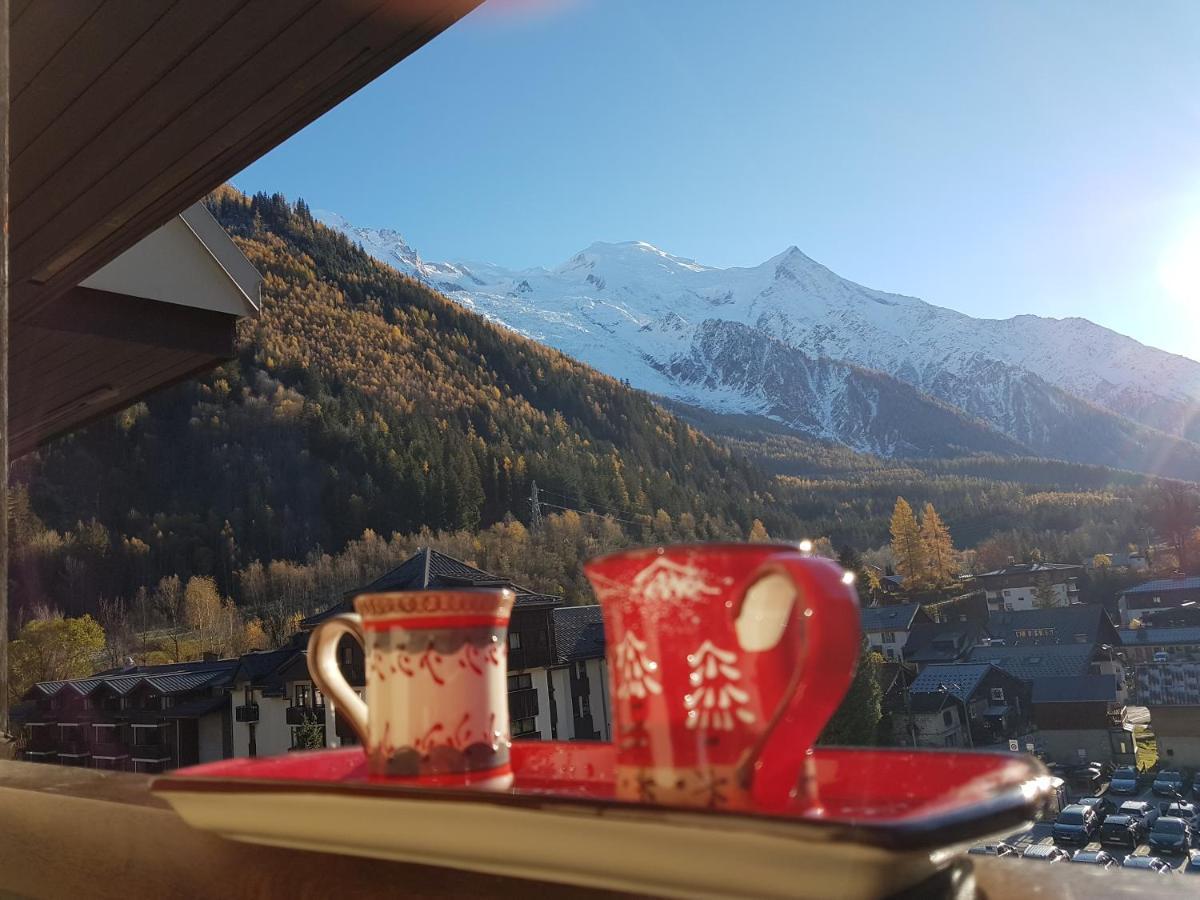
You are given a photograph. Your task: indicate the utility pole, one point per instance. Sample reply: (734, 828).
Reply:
(535, 508)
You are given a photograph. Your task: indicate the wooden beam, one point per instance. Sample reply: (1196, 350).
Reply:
(122, 317)
(4, 104)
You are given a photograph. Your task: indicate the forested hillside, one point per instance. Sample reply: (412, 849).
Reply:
(365, 414)
(359, 400)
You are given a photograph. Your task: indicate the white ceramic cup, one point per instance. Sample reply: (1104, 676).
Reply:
(436, 669)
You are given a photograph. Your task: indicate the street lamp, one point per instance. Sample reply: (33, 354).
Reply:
(946, 689)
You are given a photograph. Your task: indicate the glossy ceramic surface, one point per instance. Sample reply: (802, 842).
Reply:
(726, 661)
(889, 819)
(436, 689)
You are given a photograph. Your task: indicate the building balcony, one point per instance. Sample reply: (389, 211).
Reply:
(299, 715)
(150, 752)
(523, 704)
(247, 712)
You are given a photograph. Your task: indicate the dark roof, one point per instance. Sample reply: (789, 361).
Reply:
(929, 703)
(941, 642)
(193, 709)
(261, 667)
(1135, 636)
(578, 633)
(171, 678)
(426, 569)
(1066, 624)
(1029, 662)
(1034, 569)
(1076, 689)
(893, 678)
(962, 679)
(889, 618)
(1165, 586)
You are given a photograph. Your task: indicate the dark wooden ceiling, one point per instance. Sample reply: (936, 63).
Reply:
(125, 112)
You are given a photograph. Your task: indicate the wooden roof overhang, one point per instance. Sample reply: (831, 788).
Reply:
(125, 114)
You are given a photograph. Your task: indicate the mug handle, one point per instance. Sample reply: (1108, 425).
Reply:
(823, 632)
(323, 666)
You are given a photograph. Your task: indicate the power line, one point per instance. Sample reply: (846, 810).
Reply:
(579, 498)
(584, 512)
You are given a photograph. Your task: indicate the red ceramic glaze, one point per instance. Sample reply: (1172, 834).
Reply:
(887, 796)
(725, 662)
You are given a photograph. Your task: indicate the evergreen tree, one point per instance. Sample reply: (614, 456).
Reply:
(907, 546)
(856, 721)
(850, 560)
(940, 558)
(1044, 595)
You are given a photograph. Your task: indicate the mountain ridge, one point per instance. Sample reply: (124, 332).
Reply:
(640, 313)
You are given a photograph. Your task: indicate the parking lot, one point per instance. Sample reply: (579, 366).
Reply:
(1040, 833)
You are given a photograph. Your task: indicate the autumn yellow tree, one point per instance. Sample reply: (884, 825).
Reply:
(202, 607)
(52, 649)
(907, 547)
(758, 533)
(940, 558)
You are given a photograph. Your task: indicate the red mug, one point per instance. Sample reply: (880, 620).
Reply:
(725, 663)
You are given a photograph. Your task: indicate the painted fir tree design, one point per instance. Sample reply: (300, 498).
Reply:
(716, 700)
(637, 670)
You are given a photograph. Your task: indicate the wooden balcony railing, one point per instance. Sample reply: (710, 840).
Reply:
(112, 838)
(523, 704)
(298, 715)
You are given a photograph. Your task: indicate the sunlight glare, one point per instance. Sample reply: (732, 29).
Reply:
(1179, 270)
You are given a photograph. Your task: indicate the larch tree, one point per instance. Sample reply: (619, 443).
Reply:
(940, 558)
(1044, 594)
(907, 546)
(758, 533)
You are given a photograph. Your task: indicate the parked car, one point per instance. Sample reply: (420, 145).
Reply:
(1143, 809)
(1192, 866)
(1000, 849)
(1101, 858)
(1153, 863)
(1124, 781)
(1076, 824)
(1046, 853)
(1102, 805)
(1170, 835)
(1168, 783)
(1180, 810)
(1120, 830)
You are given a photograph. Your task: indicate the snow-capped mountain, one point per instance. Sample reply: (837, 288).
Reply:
(791, 340)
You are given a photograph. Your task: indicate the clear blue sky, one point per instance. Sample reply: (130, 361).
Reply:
(997, 158)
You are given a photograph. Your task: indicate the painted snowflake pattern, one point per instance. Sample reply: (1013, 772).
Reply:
(637, 670)
(716, 701)
(664, 581)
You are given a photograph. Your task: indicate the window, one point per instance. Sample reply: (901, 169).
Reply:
(520, 682)
(524, 727)
(585, 706)
(514, 640)
(948, 717)
(889, 652)
(998, 694)
(581, 670)
(889, 637)
(301, 695)
(347, 654)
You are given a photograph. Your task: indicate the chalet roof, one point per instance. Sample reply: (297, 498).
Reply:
(578, 633)
(1076, 689)
(1168, 684)
(193, 709)
(1036, 570)
(889, 618)
(1164, 586)
(1081, 624)
(429, 568)
(1032, 662)
(1148, 635)
(942, 642)
(962, 680)
(172, 678)
(260, 667)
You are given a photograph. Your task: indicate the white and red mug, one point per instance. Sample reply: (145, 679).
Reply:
(436, 705)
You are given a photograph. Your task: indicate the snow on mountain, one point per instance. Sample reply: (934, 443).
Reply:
(792, 340)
